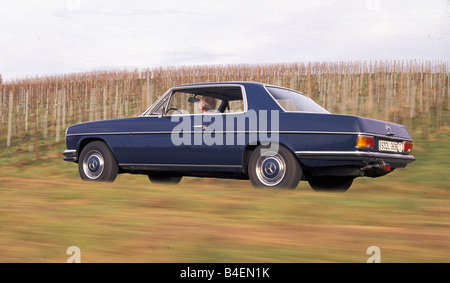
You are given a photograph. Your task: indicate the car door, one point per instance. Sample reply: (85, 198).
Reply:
(226, 131)
(169, 139)
(224, 139)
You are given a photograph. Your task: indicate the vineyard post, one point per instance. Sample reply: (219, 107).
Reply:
(2, 101)
(35, 97)
(10, 116)
(26, 91)
(63, 102)
(308, 82)
(448, 92)
(57, 113)
(400, 93)
(105, 92)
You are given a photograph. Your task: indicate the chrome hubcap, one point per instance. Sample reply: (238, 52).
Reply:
(271, 169)
(93, 164)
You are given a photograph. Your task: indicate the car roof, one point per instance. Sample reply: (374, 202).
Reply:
(222, 83)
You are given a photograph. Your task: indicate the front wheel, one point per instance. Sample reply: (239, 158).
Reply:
(97, 163)
(330, 183)
(274, 169)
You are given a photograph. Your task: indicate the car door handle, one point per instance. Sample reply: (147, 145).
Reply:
(203, 127)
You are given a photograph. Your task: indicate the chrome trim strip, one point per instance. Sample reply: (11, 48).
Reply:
(218, 132)
(352, 155)
(100, 134)
(248, 132)
(183, 165)
(387, 137)
(245, 132)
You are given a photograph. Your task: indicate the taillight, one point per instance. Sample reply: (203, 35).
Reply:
(407, 147)
(365, 142)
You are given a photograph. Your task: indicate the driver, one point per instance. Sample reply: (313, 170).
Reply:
(207, 103)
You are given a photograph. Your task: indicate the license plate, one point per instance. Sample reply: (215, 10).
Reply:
(390, 146)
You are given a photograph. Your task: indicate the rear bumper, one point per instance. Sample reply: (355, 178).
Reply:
(70, 155)
(363, 156)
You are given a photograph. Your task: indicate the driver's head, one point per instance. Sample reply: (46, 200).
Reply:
(207, 103)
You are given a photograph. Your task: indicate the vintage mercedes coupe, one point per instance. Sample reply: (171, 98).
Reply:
(274, 136)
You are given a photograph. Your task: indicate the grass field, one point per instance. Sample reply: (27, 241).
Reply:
(45, 208)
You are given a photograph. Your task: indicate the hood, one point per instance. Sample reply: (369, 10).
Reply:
(104, 126)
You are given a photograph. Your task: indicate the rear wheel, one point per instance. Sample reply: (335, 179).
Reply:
(272, 169)
(330, 183)
(97, 163)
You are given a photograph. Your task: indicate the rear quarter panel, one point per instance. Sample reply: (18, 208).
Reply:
(318, 132)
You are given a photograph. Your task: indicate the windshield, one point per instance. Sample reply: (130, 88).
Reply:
(291, 100)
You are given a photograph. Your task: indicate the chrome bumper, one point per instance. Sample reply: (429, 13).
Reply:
(355, 155)
(70, 155)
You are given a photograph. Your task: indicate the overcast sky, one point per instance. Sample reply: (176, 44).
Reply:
(49, 37)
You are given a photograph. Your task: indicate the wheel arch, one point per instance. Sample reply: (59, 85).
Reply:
(250, 147)
(85, 141)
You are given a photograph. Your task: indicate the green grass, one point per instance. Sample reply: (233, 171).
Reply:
(46, 208)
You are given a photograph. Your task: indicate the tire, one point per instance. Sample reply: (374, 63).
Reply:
(330, 183)
(274, 169)
(163, 178)
(97, 163)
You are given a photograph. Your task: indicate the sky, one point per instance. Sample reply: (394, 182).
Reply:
(48, 37)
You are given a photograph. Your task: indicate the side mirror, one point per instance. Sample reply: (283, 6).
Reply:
(162, 112)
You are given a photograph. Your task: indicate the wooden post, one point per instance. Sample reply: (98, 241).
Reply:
(308, 82)
(63, 104)
(57, 113)
(2, 101)
(447, 75)
(91, 103)
(105, 107)
(36, 97)
(116, 101)
(10, 116)
(26, 107)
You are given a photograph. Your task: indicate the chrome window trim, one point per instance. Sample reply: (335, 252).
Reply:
(156, 103)
(170, 92)
(293, 90)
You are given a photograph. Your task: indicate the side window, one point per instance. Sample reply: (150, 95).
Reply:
(235, 106)
(202, 100)
(162, 103)
(188, 103)
(180, 104)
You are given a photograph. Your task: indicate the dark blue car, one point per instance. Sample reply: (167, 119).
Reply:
(271, 135)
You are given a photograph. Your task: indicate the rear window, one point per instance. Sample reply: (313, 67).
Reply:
(291, 100)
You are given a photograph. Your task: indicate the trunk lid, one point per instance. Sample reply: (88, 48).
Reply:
(387, 129)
